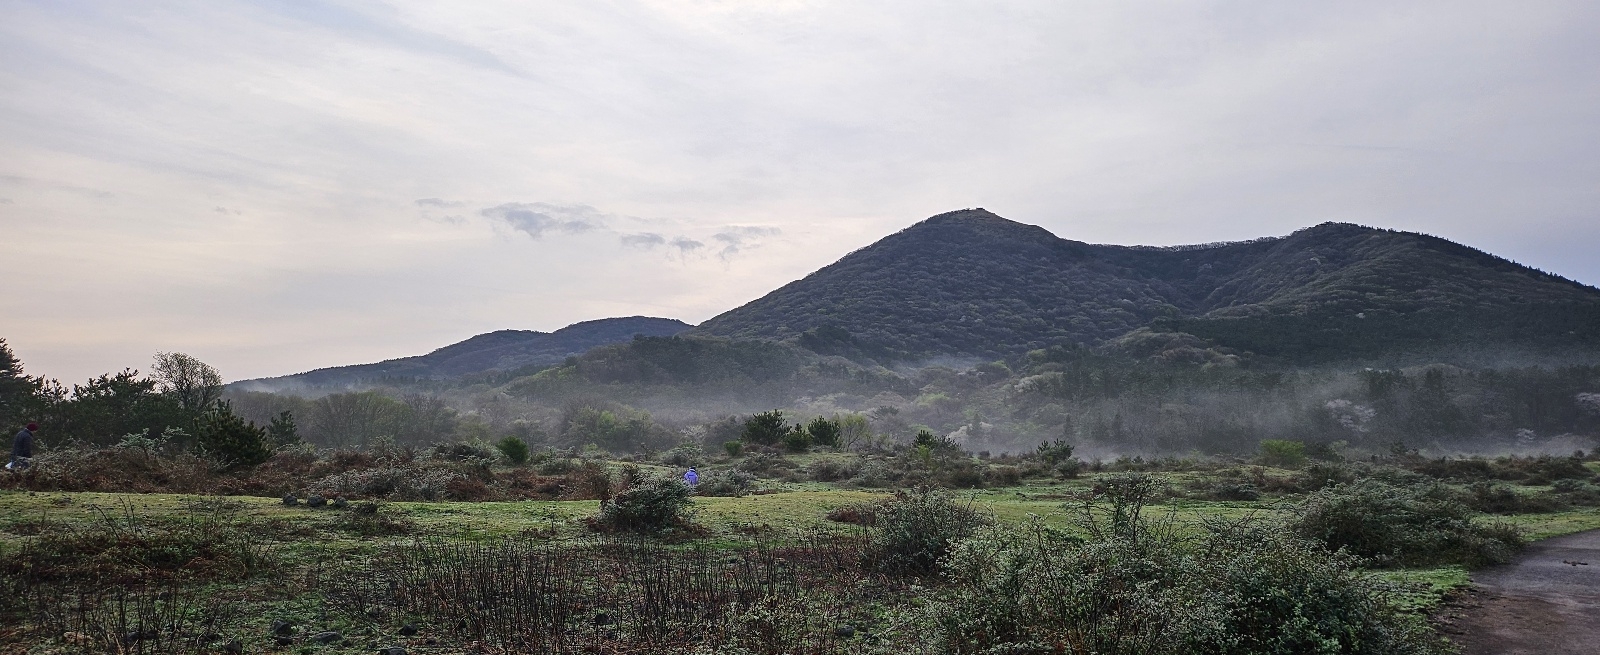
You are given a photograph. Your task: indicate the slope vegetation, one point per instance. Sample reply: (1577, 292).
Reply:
(973, 283)
(502, 350)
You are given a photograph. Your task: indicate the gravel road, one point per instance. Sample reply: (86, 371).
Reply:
(1547, 602)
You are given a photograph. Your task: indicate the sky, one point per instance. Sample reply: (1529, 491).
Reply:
(279, 186)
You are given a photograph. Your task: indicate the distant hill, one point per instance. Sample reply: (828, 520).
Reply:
(502, 350)
(970, 283)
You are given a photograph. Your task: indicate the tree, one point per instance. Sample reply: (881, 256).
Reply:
(230, 438)
(933, 442)
(282, 431)
(353, 419)
(797, 440)
(854, 430)
(515, 450)
(765, 428)
(428, 418)
(195, 384)
(825, 432)
(110, 406)
(16, 389)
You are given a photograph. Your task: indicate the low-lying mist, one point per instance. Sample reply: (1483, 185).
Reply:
(655, 393)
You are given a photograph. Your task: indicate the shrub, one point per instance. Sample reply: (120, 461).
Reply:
(374, 519)
(1499, 499)
(831, 470)
(1055, 452)
(915, 529)
(1240, 588)
(557, 466)
(926, 439)
(1545, 469)
(466, 451)
(1283, 453)
(1004, 476)
(797, 440)
(1319, 475)
(207, 541)
(732, 482)
(398, 483)
(588, 481)
(1231, 490)
(682, 455)
(1403, 526)
(764, 428)
(824, 431)
(1577, 492)
(857, 514)
(653, 506)
(960, 475)
(230, 438)
(515, 450)
(1068, 469)
(764, 463)
(873, 475)
(732, 447)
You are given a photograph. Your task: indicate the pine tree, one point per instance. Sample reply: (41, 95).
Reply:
(232, 439)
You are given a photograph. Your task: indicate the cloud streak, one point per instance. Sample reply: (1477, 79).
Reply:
(538, 218)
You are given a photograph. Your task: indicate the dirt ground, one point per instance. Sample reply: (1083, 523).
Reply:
(1547, 602)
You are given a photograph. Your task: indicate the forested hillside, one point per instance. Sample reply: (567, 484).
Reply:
(502, 350)
(973, 283)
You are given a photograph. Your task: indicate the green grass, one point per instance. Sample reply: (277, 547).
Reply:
(304, 536)
(1423, 589)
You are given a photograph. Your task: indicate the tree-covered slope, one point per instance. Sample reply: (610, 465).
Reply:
(501, 350)
(973, 283)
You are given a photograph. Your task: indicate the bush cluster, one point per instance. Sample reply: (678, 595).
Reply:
(731, 482)
(1403, 526)
(1135, 587)
(651, 506)
(1240, 589)
(917, 528)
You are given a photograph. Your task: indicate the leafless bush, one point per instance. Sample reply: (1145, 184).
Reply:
(621, 595)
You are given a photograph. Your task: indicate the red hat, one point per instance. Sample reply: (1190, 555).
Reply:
(31, 426)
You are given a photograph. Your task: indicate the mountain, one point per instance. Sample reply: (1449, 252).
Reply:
(502, 350)
(970, 283)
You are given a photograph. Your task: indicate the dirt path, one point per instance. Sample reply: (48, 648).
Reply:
(1547, 602)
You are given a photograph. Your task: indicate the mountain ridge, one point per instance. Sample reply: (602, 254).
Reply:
(500, 350)
(973, 283)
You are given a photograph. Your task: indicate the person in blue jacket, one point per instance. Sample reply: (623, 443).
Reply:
(691, 477)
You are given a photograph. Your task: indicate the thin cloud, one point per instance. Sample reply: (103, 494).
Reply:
(645, 240)
(439, 202)
(540, 218)
(685, 245)
(739, 237)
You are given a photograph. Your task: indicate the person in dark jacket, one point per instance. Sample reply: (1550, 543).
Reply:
(22, 447)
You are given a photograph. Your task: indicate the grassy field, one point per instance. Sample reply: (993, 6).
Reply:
(267, 555)
(791, 510)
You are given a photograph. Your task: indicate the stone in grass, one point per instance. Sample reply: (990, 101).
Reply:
(327, 637)
(315, 501)
(408, 630)
(340, 503)
(233, 646)
(392, 650)
(602, 618)
(283, 641)
(282, 628)
(290, 501)
(844, 631)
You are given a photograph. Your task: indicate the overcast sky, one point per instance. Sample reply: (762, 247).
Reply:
(279, 186)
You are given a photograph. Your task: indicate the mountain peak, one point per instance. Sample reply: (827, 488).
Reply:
(972, 283)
